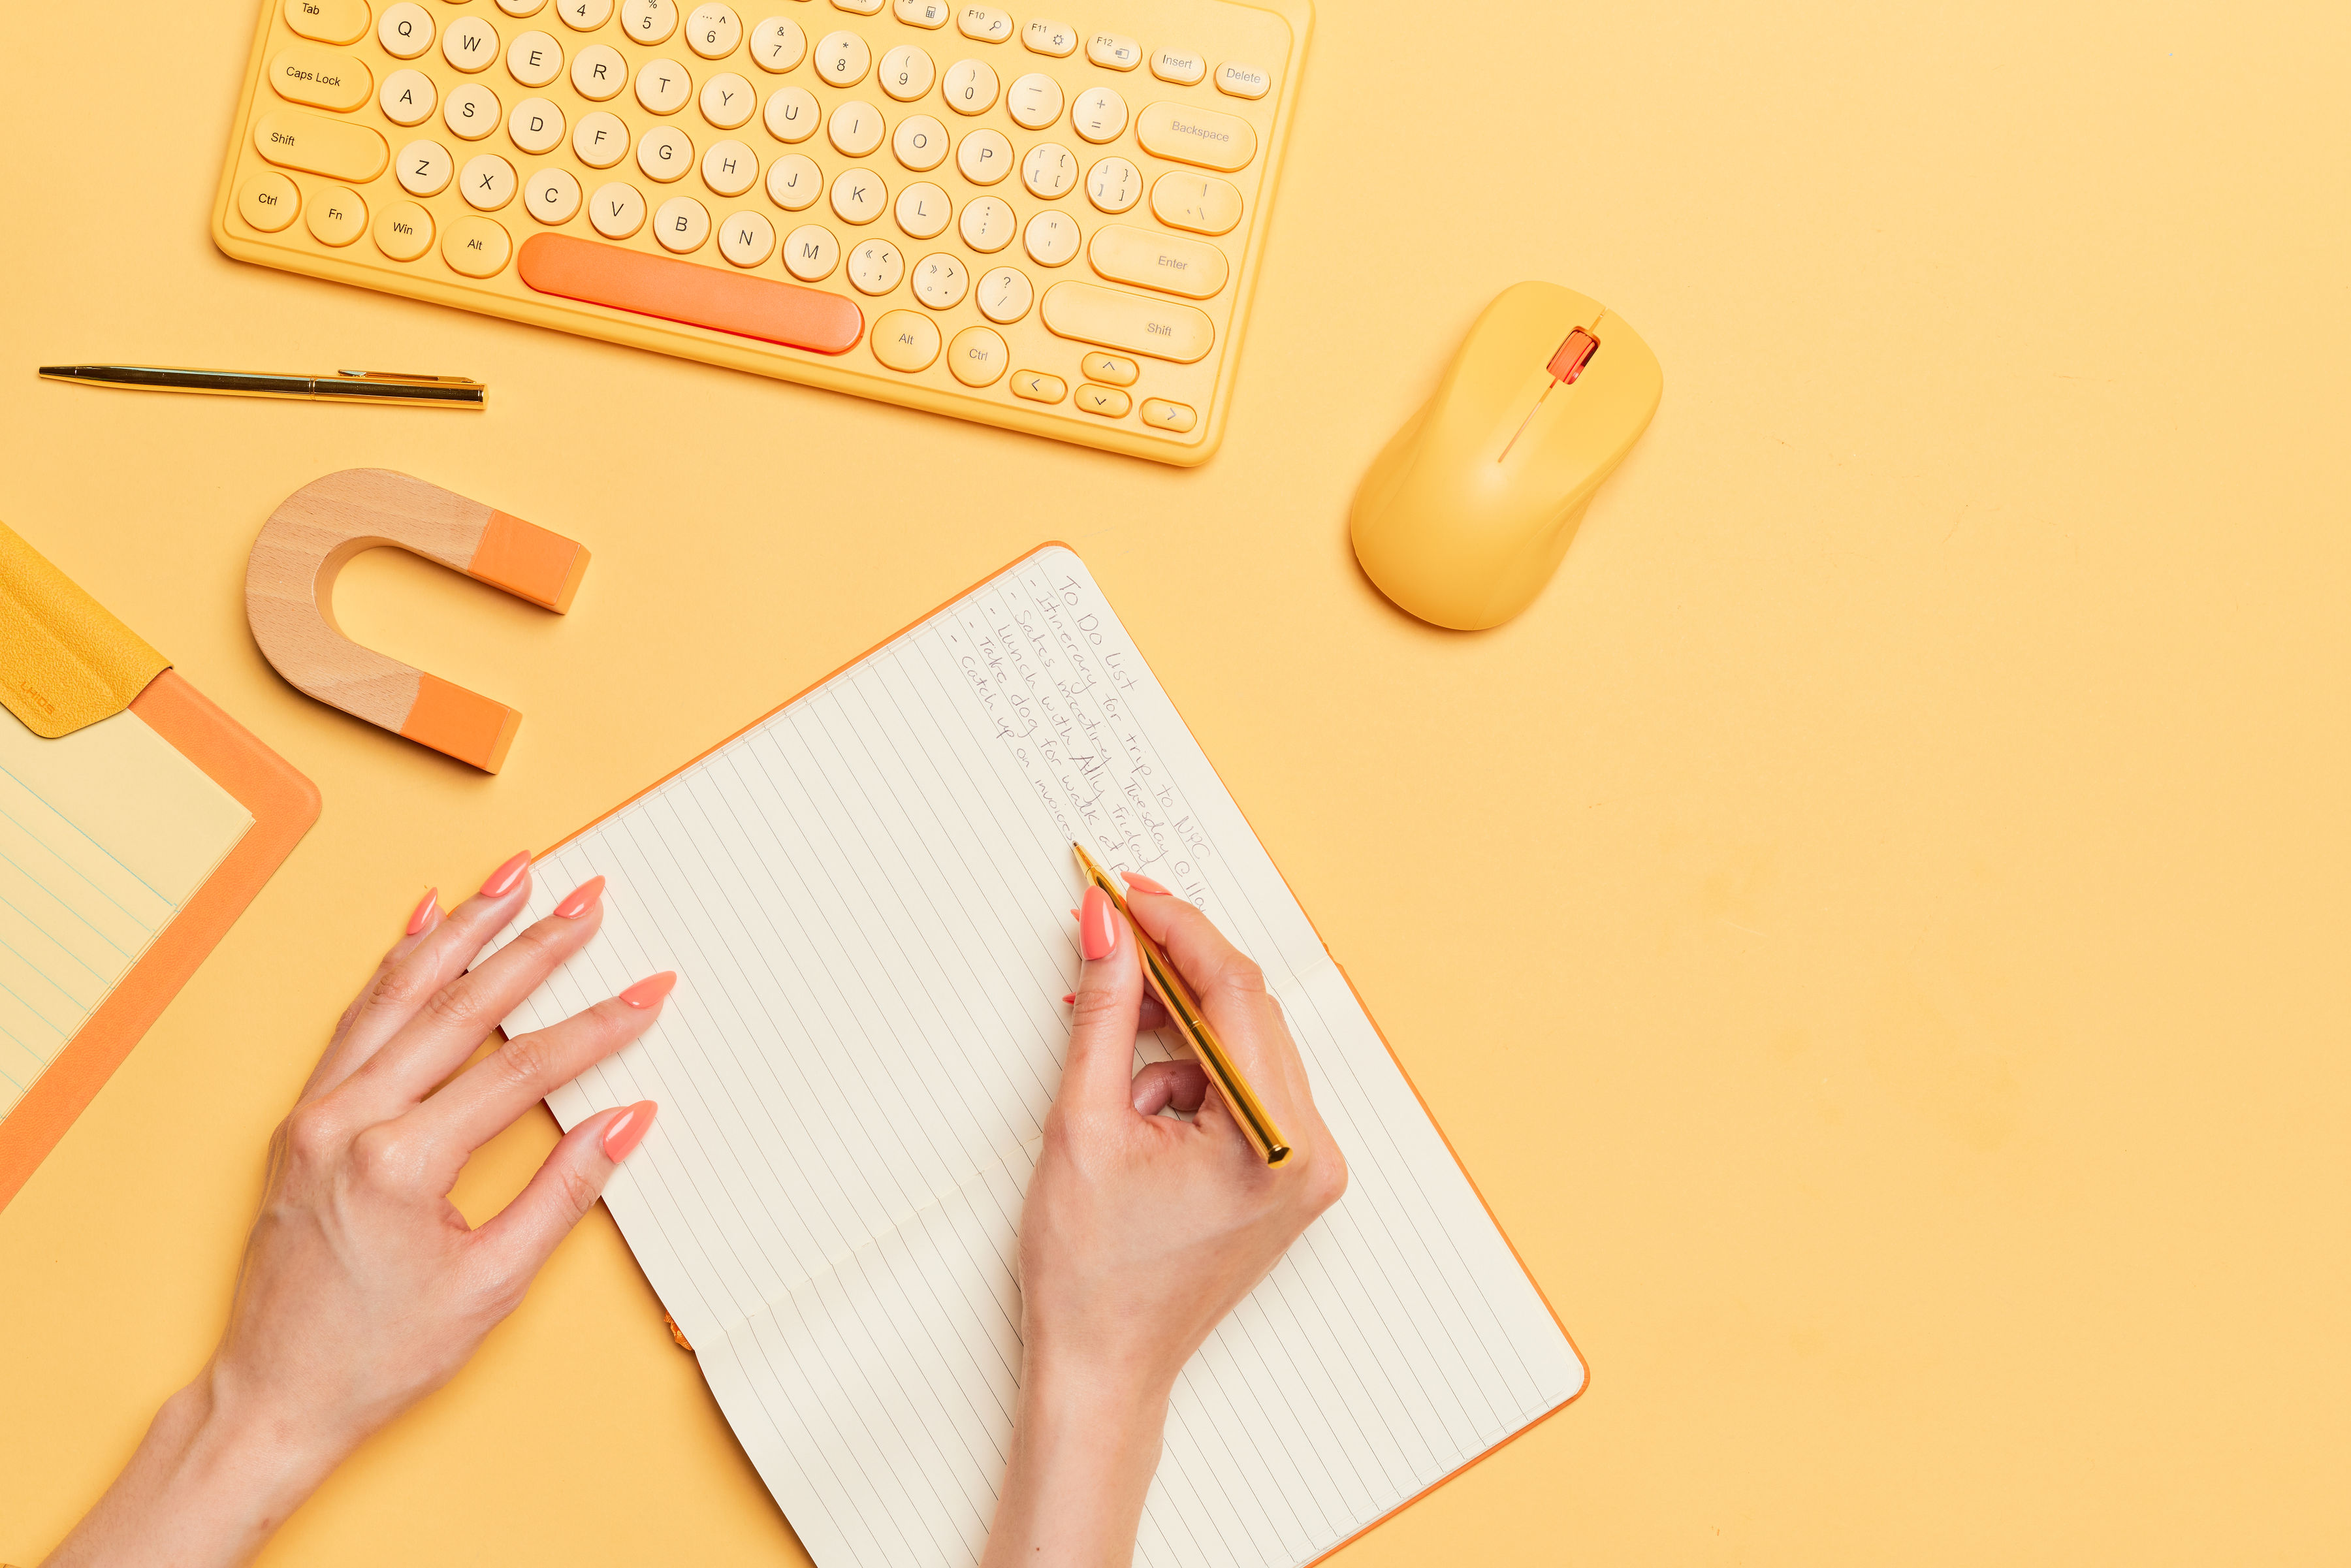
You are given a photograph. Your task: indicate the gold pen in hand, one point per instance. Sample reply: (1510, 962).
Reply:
(343, 386)
(1184, 1010)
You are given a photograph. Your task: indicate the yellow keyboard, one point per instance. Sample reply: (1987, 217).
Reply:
(1047, 222)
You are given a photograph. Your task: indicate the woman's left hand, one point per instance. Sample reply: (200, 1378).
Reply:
(362, 1288)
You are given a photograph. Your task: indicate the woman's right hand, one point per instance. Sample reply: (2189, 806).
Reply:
(1141, 1232)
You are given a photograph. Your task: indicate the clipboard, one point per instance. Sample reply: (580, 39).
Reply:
(66, 664)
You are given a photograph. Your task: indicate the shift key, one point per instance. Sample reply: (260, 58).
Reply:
(293, 138)
(1116, 319)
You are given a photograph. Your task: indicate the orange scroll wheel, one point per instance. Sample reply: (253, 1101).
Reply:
(1573, 355)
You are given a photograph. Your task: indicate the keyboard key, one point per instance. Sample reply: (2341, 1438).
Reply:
(329, 21)
(1192, 268)
(297, 138)
(1051, 238)
(470, 44)
(855, 128)
(584, 15)
(940, 282)
(664, 153)
(663, 86)
(777, 44)
(858, 196)
(794, 182)
(617, 209)
(875, 267)
(931, 14)
(1108, 402)
(1161, 414)
(696, 294)
(408, 97)
(1098, 115)
(682, 224)
(488, 183)
(324, 79)
(1058, 40)
(790, 114)
(599, 74)
(906, 340)
(730, 168)
(1242, 81)
(425, 168)
(552, 196)
(984, 157)
(920, 143)
(536, 126)
(521, 8)
(1034, 101)
(404, 30)
(1114, 319)
(476, 246)
(746, 239)
(907, 73)
(1110, 369)
(985, 23)
(1113, 185)
(403, 230)
(268, 200)
(1049, 170)
(1114, 52)
(713, 31)
(1004, 295)
(842, 58)
(599, 139)
(533, 59)
(977, 356)
(924, 210)
(470, 111)
(1178, 66)
(969, 87)
(810, 252)
(649, 21)
(1039, 387)
(336, 215)
(986, 224)
(1200, 202)
(861, 7)
(728, 102)
(1201, 136)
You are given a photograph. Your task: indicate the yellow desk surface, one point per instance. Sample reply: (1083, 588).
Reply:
(1875, 929)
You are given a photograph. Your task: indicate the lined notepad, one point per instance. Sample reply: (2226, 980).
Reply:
(104, 834)
(866, 897)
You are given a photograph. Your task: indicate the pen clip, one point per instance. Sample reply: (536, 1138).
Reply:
(406, 378)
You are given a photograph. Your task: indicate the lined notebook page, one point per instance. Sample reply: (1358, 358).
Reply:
(104, 834)
(866, 898)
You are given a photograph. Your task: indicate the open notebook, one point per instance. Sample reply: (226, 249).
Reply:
(866, 897)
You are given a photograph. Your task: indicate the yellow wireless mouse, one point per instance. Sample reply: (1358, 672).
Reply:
(1466, 514)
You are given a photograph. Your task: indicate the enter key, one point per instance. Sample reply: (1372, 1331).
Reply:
(1190, 267)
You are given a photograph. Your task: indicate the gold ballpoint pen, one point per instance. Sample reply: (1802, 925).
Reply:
(343, 386)
(1184, 1010)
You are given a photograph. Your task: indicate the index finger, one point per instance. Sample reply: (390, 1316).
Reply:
(1233, 998)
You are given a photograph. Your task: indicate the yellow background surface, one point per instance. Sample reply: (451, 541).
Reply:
(1875, 929)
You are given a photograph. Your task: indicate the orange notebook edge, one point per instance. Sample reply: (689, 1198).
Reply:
(284, 804)
(1520, 1258)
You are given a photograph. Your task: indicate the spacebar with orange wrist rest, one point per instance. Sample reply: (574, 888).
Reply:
(685, 291)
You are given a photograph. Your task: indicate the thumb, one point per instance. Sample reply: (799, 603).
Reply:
(1108, 1002)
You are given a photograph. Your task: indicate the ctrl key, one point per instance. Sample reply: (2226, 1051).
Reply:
(267, 201)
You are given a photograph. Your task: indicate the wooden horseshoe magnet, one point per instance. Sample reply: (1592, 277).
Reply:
(289, 584)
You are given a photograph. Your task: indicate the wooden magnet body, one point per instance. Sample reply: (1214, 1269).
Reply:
(289, 584)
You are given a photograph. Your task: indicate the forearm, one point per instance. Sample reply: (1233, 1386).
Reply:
(206, 1487)
(1083, 1450)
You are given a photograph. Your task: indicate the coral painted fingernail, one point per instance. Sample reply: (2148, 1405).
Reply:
(1097, 927)
(628, 1129)
(1071, 998)
(582, 899)
(1142, 884)
(505, 876)
(650, 989)
(426, 908)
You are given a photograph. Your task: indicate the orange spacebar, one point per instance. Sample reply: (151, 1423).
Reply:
(682, 291)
